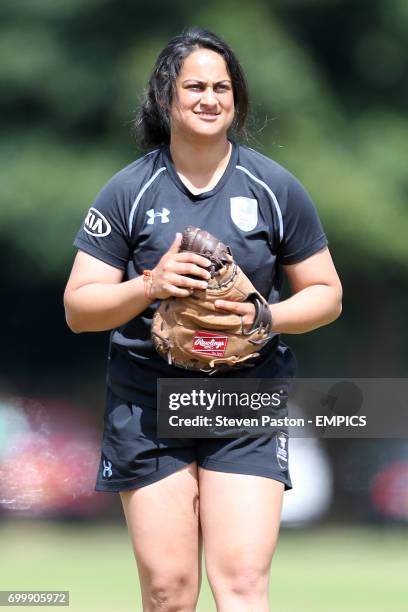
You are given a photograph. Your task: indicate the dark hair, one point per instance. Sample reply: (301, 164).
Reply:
(153, 119)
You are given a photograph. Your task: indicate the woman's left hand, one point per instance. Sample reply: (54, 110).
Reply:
(244, 309)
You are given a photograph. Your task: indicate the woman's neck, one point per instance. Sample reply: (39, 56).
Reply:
(200, 165)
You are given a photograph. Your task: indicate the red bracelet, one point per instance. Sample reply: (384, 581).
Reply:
(147, 282)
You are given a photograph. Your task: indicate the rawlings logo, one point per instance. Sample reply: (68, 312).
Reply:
(209, 344)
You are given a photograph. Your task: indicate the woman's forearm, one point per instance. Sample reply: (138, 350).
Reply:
(101, 306)
(306, 310)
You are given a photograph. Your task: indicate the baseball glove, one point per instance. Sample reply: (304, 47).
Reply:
(191, 333)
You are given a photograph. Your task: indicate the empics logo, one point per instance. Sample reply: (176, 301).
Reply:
(96, 224)
(209, 344)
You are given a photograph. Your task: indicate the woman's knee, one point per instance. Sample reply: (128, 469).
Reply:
(171, 592)
(245, 580)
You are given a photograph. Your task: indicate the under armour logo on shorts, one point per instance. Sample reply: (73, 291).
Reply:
(107, 469)
(164, 215)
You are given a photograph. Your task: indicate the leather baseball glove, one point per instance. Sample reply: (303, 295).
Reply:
(191, 333)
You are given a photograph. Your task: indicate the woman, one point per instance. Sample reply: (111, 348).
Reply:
(177, 493)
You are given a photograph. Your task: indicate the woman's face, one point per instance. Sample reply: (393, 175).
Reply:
(203, 105)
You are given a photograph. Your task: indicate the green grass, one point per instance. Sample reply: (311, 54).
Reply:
(316, 570)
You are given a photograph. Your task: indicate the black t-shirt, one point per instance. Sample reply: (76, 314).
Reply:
(258, 208)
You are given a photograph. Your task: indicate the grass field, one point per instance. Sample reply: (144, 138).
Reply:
(316, 570)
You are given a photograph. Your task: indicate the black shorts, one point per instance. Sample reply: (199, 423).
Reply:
(133, 456)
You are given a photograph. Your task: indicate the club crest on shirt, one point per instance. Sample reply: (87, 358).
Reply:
(244, 212)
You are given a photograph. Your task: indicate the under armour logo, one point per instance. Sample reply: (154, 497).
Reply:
(107, 469)
(164, 215)
(282, 441)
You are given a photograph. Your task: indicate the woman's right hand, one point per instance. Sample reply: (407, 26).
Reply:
(169, 277)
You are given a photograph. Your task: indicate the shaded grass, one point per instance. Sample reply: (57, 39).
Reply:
(316, 570)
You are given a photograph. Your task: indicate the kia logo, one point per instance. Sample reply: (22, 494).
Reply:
(96, 224)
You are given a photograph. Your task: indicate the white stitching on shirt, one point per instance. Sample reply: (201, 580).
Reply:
(138, 198)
